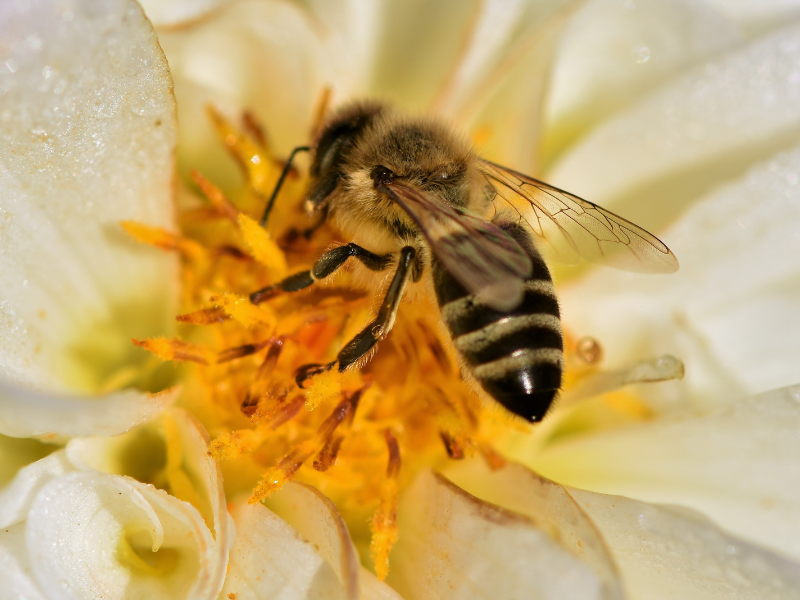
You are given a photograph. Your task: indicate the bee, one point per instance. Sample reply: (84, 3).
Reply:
(428, 205)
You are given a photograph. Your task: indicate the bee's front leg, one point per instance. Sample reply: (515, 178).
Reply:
(363, 343)
(326, 264)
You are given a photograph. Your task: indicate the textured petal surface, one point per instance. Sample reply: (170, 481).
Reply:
(738, 465)
(670, 552)
(456, 546)
(90, 534)
(729, 313)
(270, 561)
(707, 126)
(612, 52)
(548, 505)
(88, 123)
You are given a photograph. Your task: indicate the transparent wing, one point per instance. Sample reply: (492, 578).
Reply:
(478, 254)
(573, 227)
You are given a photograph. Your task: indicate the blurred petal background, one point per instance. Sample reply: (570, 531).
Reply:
(682, 116)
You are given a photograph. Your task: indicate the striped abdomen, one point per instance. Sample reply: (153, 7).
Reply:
(516, 356)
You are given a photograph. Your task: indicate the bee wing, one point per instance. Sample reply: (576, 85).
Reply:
(486, 260)
(574, 227)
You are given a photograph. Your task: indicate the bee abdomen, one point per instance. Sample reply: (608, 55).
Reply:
(516, 356)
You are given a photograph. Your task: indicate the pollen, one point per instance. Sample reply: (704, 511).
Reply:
(264, 381)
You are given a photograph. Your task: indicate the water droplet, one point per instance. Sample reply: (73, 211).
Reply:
(641, 55)
(589, 350)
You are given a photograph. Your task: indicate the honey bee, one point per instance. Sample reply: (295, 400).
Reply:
(427, 204)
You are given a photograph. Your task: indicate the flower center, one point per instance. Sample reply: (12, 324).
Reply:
(359, 436)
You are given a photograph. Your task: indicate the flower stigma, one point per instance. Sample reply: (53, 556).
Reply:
(255, 370)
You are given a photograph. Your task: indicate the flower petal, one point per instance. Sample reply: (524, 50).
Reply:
(316, 518)
(89, 136)
(171, 451)
(173, 13)
(736, 464)
(755, 16)
(671, 552)
(15, 570)
(16, 498)
(612, 52)
(729, 313)
(26, 412)
(456, 546)
(651, 162)
(547, 504)
(91, 534)
(270, 561)
(265, 57)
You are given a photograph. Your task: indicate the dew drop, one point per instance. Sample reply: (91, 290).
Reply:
(589, 350)
(641, 55)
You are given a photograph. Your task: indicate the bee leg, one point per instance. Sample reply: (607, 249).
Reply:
(362, 343)
(325, 265)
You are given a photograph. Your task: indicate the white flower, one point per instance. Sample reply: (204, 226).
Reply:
(653, 105)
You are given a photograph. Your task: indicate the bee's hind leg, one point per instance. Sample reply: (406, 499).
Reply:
(326, 265)
(363, 343)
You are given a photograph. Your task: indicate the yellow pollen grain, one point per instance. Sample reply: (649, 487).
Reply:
(262, 247)
(245, 312)
(324, 387)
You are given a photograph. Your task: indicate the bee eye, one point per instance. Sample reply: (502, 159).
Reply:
(381, 175)
(440, 176)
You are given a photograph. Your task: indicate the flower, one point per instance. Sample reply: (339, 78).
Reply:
(547, 540)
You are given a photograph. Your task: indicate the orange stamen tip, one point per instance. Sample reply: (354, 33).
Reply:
(276, 477)
(216, 197)
(384, 528)
(245, 312)
(161, 238)
(262, 247)
(205, 316)
(176, 350)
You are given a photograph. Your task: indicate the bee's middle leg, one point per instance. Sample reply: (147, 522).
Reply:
(364, 341)
(326, 265)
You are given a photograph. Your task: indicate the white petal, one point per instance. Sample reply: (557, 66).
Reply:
(26, 412)
(708, 126)
(670, 552)
(755, 16)
(174, 450)
(15, 569)
(91, 534)
(612, 52)
(270, 561)
(419, 45)
(729, 313)
(505, 108)
(737, 464)
(453, 545)
(265, 57)
(89, 134)
(312, 514)
(173, 13)
(547, 504)
(16, 497)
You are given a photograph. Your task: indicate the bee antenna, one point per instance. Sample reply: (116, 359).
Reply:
(278, 185)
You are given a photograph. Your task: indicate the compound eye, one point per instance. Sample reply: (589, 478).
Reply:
(381, 175)
(440, 176)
